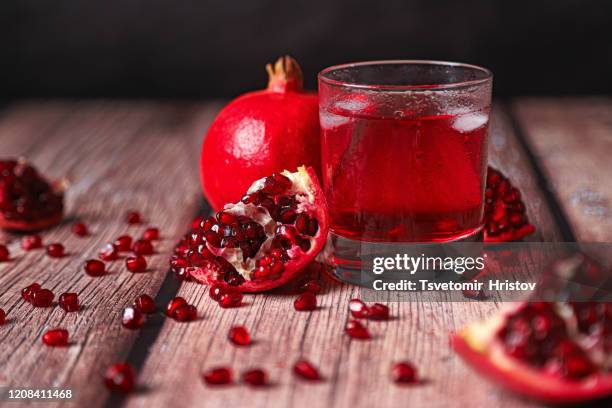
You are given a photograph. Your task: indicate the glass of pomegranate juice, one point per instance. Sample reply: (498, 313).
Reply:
(404, 153)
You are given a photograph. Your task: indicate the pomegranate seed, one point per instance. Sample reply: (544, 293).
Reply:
(56, 338)
(2, 317)
(356, 330)
(27, 292)
(151, 234)
(404, 373)
(358, 308)
(218, 376)
(175, 304)
(42, 298)
(69, 302)
(216, 291)
(142, 247)
(255, 378)
(239, 335)
(378, 312)
(55, 250)
(132, 319)
(123, 243)
(31, 242)
(311, 286)
(133, 217)
(80, 229)
(230, 299)
(185, 313)
(136, 263)
(93, 267)
(120, 377)
(306, 370)
(4, 253)
(145, 304)
(305, 302)
(108, 253)
(195, 224)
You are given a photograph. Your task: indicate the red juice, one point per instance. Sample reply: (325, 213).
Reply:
(404, 178)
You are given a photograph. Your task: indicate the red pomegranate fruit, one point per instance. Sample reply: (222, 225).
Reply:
(550, 352)
(261, 133)
(505, 214)
(28, 201)
(264, 240)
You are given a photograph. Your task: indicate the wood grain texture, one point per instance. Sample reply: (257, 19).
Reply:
(118, 156)
(142, 155)
(572, 140)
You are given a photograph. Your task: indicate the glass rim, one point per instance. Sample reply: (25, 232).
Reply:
(425, 87)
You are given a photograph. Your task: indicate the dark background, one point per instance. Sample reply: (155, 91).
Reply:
(193, 49)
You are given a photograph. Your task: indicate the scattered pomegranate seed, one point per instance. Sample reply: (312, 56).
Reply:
(80, 229)
(108, 253)
(239, 335)
(356, 330)
(151, 234)
(358, 308)
(255, 377)
(215, 292)
(218, 376)
(56, 338)
(304, 369)
(404, 373)
(145, 304)
(136, 263)
(120, 377)
(230, 299)
(31, 242)
(93, 267)
(69, 302)
(55, 250)
(4, 253)
(132, 319)
(305, 302)
(133, 217)
(378, 312)
(142, 247)
(123, 243)
(175, 304)
(185, 313)
(27, 292)
(42, 298)
(311, 285)
(2, 317)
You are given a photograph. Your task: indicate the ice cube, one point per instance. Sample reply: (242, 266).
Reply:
(470, 121)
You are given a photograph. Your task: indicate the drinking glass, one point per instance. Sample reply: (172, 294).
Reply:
(404, 153)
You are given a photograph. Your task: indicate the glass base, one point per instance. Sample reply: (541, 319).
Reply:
(349, 257)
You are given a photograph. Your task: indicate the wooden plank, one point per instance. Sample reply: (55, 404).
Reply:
(356, 373)
(572, 140)
(118, 156)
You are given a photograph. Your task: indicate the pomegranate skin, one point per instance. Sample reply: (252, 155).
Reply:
(261, 133)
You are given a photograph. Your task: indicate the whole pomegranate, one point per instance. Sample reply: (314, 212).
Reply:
(261, 133)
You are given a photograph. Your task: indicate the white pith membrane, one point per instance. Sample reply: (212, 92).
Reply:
(483, 338)
(301, 188)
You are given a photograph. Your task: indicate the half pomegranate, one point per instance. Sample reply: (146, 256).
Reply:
(262, 241)
(505, 213)
(557, 353)
(28, 202)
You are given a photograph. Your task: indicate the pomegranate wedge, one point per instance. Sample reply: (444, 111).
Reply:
(262, 241)
(545, 351)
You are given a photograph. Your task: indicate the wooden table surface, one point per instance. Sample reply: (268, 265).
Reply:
(144, 155)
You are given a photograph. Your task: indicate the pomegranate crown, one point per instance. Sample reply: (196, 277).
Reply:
(285, 75)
